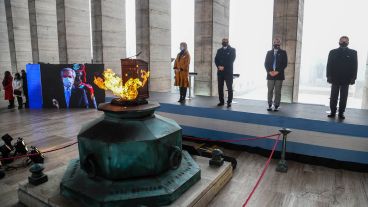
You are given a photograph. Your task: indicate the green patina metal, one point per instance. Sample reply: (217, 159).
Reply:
(129, 157)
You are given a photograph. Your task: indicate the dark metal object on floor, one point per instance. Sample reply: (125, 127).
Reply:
(205, 151)
(39, 157)
(217, 160)
(7, 139)
(37, 177)
(5, 153)
(282, 166)
(20, 147)
(2, 173)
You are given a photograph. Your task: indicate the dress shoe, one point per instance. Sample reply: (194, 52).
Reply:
(341, 116)
(220, 104)
(269, 108)
(331, 115)
(276, 108)
(228, 105)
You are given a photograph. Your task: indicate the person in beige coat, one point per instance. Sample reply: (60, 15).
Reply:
(181, 67)
(18, 89)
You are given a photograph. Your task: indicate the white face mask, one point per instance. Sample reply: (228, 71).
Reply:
(182, 48)
(68, 82)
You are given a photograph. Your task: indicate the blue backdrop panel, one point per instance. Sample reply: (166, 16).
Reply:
(34, 86)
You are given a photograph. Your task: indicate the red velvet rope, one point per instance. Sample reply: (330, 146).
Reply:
(231, 140)
(196, 139)
(263, 171)
(29, 155)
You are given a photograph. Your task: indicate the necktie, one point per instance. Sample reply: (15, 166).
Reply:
(67, 97)
(274, 61)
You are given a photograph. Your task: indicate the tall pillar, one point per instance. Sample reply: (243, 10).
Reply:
(73, 24)
(365, 89)
(17, 17)
(153, 36)
(288, 25)
(5, 63)
(108, 29)
(42, 19)
(211, 25)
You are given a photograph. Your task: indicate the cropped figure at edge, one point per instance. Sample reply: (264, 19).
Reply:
(342, 68)
(275, 63)
(181, 67)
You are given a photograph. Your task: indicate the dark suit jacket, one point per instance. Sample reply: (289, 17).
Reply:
(78, 99)
(281, 64)
(342, 66)
(225, 58)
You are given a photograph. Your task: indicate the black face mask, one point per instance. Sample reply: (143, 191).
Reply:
(225, 44)
(343, 44)
(276, 46)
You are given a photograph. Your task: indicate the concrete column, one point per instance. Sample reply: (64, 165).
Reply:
(17, 17)
(73, 24)
(288, 25)
(108, 29)
(42, 19)
(5, 63)
(211, 25)
(153, 36)
(365, 89)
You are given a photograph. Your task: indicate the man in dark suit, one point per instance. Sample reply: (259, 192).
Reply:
(275, 63)
(224, 61)
(342, 68)
(73, 96)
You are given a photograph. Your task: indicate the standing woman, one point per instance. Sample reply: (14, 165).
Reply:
(8, 88)
(18, 89)
(181, 67)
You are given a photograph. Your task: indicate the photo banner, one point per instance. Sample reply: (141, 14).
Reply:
(66, 85)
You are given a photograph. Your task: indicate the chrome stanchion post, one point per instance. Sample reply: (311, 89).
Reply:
(191, 74)
(190, 87)
(282, 166)
(235, 76)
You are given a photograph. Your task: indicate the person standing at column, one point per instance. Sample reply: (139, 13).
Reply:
(25, 87)
(275, 63)
(342, 68)
(18, 89)
(224, 61)
(181, 67)
(8, 88)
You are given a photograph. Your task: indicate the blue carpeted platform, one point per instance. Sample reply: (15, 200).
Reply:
(313, 133)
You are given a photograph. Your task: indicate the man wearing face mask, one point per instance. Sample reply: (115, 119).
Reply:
(224, 61)
(275, 64)
(342, 68)
(73, 96)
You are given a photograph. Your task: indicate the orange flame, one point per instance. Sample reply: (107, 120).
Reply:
(128, 91)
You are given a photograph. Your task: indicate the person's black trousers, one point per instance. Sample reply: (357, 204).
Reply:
(183, 93)
(20, 102)
(228, 79)
(26, 103)
(335, 90)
